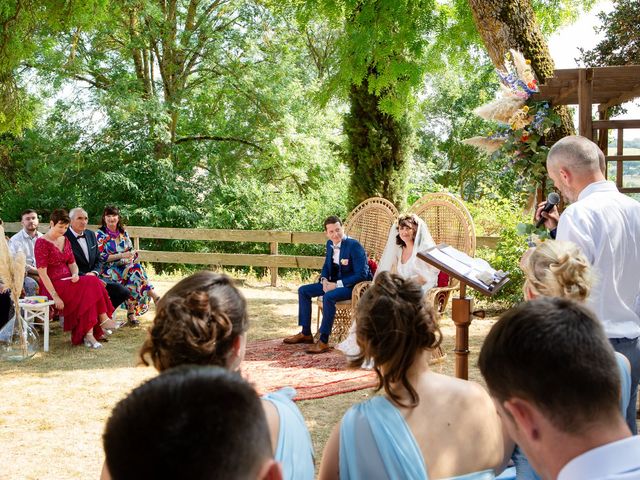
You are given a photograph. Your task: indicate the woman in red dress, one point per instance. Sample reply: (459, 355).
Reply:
(83, 301)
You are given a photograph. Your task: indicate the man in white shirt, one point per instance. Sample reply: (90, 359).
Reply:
(555, 381)
(605, 224)
(25, 241)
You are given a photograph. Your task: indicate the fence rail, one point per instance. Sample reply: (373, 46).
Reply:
(272, 261)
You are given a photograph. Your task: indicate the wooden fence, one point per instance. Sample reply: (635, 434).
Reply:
(272, 260)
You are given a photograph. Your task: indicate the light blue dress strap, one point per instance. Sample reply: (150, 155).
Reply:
(625, 383)
(294, 450)
(376, 442)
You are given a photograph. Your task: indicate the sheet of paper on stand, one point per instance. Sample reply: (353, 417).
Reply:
(473, 268)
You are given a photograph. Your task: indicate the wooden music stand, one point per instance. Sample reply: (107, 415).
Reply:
(462, 307)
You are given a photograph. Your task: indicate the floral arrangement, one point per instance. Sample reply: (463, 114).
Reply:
(521, 122)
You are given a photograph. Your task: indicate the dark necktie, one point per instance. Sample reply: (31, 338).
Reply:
(81, 236)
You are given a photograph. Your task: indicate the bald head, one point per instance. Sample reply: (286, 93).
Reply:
(577, 154)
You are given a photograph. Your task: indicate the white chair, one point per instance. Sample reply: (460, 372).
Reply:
(37, 314)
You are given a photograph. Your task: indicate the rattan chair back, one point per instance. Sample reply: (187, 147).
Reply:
(369, 223)
(448, 220)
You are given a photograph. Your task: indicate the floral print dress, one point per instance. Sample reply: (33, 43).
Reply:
(125, 272)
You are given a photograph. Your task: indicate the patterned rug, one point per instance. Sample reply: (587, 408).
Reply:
(270, 365)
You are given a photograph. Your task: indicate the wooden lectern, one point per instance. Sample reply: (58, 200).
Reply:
(460, 266)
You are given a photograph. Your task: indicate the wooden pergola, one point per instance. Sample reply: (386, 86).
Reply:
(605, 87)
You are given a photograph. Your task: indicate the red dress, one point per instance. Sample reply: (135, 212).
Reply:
(83, 301)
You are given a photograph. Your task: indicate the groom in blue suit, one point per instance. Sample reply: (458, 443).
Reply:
(344, 266)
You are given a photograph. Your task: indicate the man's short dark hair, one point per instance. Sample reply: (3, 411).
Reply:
(189, 422)
(330, 220)
(27, 212)
(554, 353)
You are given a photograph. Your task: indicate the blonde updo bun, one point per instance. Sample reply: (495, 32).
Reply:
(559, 269)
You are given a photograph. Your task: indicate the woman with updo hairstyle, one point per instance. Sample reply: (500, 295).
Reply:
(420, 427)
(203, 320)
(557, 268)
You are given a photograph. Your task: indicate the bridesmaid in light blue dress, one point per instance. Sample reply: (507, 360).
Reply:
(426, 425)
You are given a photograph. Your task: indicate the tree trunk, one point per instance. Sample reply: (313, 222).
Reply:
(378, 150)
(505, 24)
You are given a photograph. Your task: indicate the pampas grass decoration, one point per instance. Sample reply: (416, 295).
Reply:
(12, 272)
(523, 68)
(502, 108)
(489, 145)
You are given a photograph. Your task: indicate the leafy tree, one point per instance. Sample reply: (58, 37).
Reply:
(24, 24)
(621, 43)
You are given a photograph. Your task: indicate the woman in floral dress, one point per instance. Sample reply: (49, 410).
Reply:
(121, 264)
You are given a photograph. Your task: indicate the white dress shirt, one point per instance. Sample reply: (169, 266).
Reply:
(336, 260)
(82, 242)
(605, 224)
(614, 461)
(21, 241)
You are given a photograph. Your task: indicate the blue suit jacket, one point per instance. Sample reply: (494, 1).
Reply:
(353, 266)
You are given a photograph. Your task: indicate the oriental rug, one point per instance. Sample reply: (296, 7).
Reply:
(271, 364)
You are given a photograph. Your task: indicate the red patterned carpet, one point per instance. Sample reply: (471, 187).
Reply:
(270, 365)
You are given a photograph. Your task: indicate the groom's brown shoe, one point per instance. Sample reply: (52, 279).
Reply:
(319, 347)
(298, 338)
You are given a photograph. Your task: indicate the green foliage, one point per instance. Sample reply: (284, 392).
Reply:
(382, 45)
(497, 215)
(448, 118)
(621, 39)
(24, 27)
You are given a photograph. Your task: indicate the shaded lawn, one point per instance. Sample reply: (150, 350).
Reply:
(54, 406)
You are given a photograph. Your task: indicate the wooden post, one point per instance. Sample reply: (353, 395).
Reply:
(274, 270)
(619, 153)
(603, 138)
(461, 315)
(585, 99)
(136, 243)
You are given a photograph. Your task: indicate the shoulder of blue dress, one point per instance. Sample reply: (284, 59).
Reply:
(288, 393)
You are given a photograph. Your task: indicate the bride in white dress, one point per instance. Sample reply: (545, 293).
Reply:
(408, 236)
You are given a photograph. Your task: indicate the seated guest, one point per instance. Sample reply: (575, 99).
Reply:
(203, 320)
(423, 425)
(345, 265)
(194, 423)
(83, 301)
(120, 264)
(559, 269)
(85, 250)
(554, 378)
(408, 236)
(25, 240)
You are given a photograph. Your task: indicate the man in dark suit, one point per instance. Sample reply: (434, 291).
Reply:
(344, 266)
(85, 250)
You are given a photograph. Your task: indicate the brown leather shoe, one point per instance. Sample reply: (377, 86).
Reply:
(298, 338)
(319, 347)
